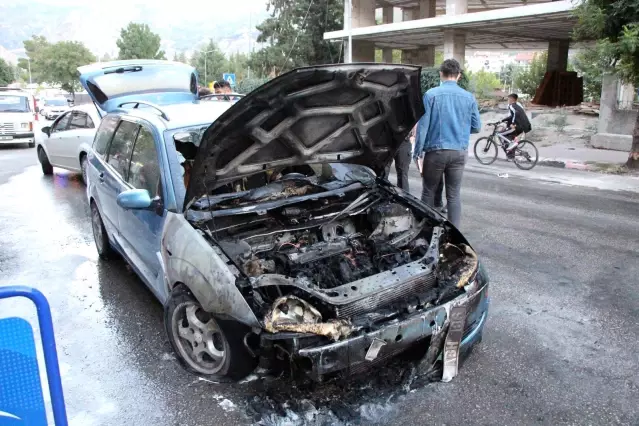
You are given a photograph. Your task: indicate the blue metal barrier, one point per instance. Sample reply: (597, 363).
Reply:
(21, 328)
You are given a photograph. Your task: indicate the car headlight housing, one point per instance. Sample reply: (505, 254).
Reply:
(24, 125)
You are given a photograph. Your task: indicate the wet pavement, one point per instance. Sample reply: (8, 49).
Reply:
(560, 345)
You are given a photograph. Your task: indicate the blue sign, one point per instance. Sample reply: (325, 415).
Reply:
(230, 78)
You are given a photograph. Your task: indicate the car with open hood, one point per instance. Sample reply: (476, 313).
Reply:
(267, 227)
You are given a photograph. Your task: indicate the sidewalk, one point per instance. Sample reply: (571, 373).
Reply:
(572, 156)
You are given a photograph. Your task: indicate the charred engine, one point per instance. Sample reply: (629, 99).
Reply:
(379, 238)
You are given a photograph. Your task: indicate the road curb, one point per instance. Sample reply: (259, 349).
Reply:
(559, 163)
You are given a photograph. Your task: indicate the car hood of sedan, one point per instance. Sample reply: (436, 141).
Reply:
(349, 113)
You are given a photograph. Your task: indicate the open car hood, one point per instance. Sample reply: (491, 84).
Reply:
(350, 113)
(111, 84)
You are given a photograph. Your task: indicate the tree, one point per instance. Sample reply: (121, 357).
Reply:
(238, 65)
(137, 41)
(615, 26)
(6, 73)
(106, 58)
(61, 61)
(181, 57)
(210, 65)
(295, 35)
(507, 74)
(527, 80)
(591, 64)
(397, 56)
(34, 48)
(483, 83)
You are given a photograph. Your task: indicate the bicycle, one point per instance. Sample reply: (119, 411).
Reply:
(520, 154)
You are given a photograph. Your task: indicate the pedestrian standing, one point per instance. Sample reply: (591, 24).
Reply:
(451, 115)
(402, 161)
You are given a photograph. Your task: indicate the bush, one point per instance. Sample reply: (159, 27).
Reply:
(430, 78)
(527, 80)
(247, 85)
(483, 84)
(561, 121)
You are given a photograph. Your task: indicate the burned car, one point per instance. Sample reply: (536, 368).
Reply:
(272, 236)
(293, 246)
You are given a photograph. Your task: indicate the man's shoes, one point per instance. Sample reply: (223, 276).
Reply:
(442, 209)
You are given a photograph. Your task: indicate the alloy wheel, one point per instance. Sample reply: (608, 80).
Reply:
(199, 338)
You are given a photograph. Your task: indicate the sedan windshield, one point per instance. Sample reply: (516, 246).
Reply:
(13, 103)
(55, 102)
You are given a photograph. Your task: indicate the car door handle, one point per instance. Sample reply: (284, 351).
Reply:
(101, 176)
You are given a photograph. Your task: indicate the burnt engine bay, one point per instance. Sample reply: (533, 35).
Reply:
(332, 266)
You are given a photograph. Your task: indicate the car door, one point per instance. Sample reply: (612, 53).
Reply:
(56, 140)
(77, 133)
(141, 230)
(112, 174)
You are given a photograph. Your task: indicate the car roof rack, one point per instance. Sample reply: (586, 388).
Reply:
(152, 105)
(222, 95)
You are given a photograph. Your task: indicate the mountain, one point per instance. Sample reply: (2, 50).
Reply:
(182, 27)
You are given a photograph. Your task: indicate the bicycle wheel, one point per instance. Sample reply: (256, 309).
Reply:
(526, 155)
(486, 151)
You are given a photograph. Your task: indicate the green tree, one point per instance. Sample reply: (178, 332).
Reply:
(615, 26)
(137, 41)
(591, 64)
(7, 74)
(483, 83)
(397, 56)
(106, 58)
(294, 35)
(507, 74)
(34, 48)
(61, 61)
(528, 79)
(180, 57)
(237, 64)
(210, 65)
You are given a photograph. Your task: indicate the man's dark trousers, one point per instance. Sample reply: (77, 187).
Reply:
(447, 164)
(402, 163)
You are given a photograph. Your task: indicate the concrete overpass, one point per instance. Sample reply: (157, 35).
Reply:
(457, 24)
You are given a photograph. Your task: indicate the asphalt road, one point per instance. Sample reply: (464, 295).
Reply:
(560, 345)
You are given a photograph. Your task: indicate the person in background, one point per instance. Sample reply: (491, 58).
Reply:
(402, 161)
(203, 91)
(451, 115)
(517, 121)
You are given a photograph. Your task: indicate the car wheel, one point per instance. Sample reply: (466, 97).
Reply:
(31, 144)
(205, 345)
(105, 251)
(47, 168)
(84, 162)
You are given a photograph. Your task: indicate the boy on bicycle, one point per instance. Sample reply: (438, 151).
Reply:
(517, 121)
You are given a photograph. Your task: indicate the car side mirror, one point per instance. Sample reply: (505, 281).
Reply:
(46, 130)
(135, 199)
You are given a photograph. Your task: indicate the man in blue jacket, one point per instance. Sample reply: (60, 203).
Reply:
(451, 115)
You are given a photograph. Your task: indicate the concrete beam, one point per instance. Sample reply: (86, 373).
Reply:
(362, 13)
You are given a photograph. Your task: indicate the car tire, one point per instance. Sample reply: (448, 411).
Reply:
(31, 144)
(100, 236)
(226, 339)
(84, 162)
(47, 168)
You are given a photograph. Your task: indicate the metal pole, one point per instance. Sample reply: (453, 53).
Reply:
(349, 50)
(29, 62)
(206, 84)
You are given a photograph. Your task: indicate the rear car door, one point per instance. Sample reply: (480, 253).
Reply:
(56, 140)
(113, 173)
(78, 131)
(141, 230)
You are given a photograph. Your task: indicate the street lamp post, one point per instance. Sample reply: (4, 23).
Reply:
(349, 22)
(205, 59)
(29, 62)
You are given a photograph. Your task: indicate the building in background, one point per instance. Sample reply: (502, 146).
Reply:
(420, 27)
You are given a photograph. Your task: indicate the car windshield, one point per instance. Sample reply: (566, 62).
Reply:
(55, 102)
(14, 103)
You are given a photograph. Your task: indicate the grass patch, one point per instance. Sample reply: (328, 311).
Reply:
(611, 168)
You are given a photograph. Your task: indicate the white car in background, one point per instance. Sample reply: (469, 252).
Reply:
(54, 107)
(17, 113)
(66, 142)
